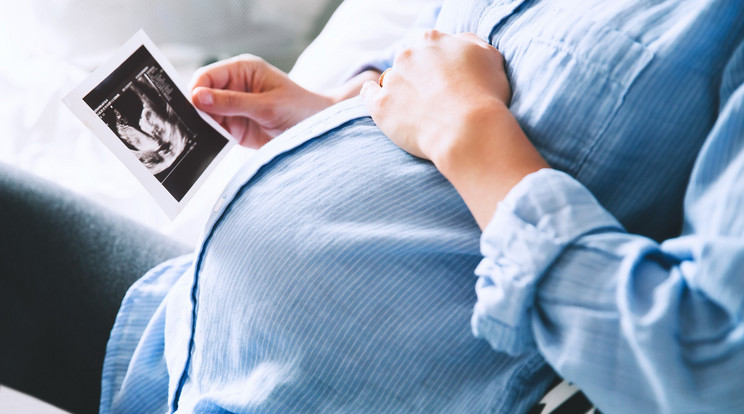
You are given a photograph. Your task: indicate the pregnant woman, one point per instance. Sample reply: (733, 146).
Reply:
(336, 274)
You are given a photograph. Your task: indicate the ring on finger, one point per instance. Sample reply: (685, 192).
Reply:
(382, 76)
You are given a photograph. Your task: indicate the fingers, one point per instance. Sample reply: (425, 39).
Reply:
(219, 74)
(216, 75)
(436, 35)
(370, 94)
(229, 103)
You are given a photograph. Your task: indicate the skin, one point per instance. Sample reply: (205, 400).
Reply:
(255, 101)
(445, 99)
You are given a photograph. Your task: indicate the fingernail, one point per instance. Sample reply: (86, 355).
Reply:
(205, 98)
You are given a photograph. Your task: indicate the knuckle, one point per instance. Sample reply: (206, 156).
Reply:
(247, 60)
(470, 36)
(247, 57)
(251, 62)
(403, 56)
(432, 34)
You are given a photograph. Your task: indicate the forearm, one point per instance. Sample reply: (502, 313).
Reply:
(485, 156)
(617, 314)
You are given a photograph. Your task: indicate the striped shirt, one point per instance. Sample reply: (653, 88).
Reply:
(336, 271)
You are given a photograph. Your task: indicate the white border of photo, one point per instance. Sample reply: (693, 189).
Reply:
(74, 101)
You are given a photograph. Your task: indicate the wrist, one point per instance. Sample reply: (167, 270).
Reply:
(486, 154)
(469, 133)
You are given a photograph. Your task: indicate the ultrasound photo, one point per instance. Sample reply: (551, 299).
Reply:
(144, 108)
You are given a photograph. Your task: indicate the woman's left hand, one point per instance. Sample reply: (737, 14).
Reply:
(446, 99)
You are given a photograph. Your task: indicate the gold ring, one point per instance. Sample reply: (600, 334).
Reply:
(382, 76)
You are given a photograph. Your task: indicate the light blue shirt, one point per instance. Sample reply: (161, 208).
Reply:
(336, 272)
(640, 327)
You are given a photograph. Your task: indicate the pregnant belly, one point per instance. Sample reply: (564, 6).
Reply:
(340, 279)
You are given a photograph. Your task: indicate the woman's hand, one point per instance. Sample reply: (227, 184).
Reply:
(446, 99)
(253, 100)
(439, 81)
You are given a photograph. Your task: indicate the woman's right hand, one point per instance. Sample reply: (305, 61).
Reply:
(253, 100)
(436, 89)
(446, 99)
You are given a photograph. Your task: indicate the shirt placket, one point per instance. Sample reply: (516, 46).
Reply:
(496, 16)
(305, 131)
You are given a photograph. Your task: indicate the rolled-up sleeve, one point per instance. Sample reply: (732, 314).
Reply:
(639, 326)
(539, 218)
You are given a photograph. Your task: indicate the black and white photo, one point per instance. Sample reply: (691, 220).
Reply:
(135, 98)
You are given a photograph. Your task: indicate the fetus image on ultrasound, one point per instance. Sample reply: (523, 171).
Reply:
(144, 108)
(149, 126)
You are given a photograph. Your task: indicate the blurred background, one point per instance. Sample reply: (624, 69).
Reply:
(48, 46)
(81, 31)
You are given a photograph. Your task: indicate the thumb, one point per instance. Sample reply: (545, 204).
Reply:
(226, 102)
(369, 92)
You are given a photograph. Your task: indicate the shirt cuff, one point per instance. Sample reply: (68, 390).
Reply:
(542, 215)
